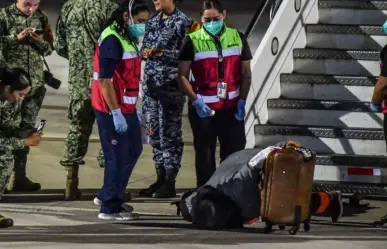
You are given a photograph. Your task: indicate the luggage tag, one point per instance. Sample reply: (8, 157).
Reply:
(222, 90)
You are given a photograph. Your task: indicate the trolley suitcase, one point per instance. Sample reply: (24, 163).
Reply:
(286, 188)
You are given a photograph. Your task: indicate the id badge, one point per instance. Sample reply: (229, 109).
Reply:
(222, 90)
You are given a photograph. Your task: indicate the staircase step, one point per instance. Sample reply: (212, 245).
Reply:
(351, 160)
(352, 12)
(341, 114)
(345, 36)
(325, 140)
(326, 87)
(337, 168)
(336, 62)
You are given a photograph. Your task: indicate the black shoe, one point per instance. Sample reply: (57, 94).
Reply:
(148, 192)
(335, 209)
(167, 190)
(5, 222)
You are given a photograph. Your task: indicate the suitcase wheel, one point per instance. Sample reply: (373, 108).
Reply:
(281, 227)
(294, 230)
(268, 227)
(307, 226)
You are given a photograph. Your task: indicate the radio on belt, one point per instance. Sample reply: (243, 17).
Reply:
(222, 90)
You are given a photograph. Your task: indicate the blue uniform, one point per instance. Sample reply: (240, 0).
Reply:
(121, 151)
(162, 98)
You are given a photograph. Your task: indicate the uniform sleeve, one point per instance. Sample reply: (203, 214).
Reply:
(95, 15)
(110, 55)
(187, 51)
(145, 40)
(7, 139)
(182, 30)
(5, 37)
(246, 52)
(11, 143)
(60, 41)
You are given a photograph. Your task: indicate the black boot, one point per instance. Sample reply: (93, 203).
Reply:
(148, 192)
(167, 190)
(5, 222)
(18, 180)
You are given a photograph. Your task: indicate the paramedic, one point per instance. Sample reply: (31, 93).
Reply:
(115, 88)
(219, 58)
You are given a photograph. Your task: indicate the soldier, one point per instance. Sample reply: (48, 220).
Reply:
(162, 99)
(26, 36)
(77, 31)
(14, 86)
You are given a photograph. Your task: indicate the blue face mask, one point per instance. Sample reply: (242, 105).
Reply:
(137, 30)
(385, 27)
(213, 27)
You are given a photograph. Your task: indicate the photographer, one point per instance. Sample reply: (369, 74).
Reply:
(25, 36)
(14, 86)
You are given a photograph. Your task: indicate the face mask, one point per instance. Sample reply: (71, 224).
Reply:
(385, 27)
(137, 30)
(213, 27)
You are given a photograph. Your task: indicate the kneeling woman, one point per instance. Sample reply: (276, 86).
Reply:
(14, 86)
(115, 88)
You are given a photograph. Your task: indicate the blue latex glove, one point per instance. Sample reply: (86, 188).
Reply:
(119, 121)
(241, 113)
(201, 108)
(375, 108)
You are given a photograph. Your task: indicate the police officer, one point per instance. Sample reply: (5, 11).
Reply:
(162, 98)
(79, 26)
(14, 86)
(115, 88)
(220, 61)
(25, 37)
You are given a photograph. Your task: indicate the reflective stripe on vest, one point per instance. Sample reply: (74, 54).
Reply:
(125, 79)
(205, 67)
(126, 99)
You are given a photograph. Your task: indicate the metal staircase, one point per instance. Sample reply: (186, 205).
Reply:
(324, 103)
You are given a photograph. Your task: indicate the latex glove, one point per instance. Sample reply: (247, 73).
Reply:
(119, 121)
(202, 109)
(375, 108)
(139, 116)
(241, 113)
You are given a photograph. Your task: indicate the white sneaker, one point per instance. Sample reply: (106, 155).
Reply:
(126, 207)
(128, 216)
(103, 216)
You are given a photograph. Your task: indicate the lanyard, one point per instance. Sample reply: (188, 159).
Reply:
(220, 59)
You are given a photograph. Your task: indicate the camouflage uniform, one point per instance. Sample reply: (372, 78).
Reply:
(25, 55)
(76, 36)
(163, 100)
(8, 141)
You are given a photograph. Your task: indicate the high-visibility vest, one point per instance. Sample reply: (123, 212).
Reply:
(126, 78)
(205, 67)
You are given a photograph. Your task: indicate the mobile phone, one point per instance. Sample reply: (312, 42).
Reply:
(41, 125)
(39, 31)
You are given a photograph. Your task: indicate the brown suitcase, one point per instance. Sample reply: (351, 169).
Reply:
(286, 189)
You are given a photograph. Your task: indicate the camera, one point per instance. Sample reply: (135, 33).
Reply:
(51, 80)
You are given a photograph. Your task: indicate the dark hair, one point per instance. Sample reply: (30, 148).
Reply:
(16, 78)
(117, 16)
(212, 4)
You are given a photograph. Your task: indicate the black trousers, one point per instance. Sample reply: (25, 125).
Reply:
(206, 131)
